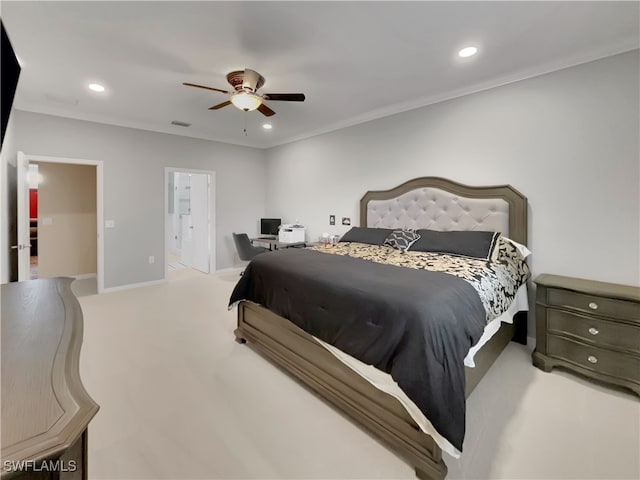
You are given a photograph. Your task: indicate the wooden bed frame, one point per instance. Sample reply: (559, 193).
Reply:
(381, 414)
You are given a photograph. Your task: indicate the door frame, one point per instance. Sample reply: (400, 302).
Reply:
(99, 202)
(212, 215)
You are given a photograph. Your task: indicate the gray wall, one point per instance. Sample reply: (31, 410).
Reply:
(567, 140)
(134, 162)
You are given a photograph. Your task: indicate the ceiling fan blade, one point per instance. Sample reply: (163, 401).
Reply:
(205, 87)
(266, 111)
(220, 105)
(289, 97)
(250, 79)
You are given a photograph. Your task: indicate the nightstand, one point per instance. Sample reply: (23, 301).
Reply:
(592, 328)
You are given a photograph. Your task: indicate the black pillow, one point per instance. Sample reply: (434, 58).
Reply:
(370, 236)
(470, 243)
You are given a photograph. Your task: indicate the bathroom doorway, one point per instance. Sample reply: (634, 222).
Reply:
(189, 225)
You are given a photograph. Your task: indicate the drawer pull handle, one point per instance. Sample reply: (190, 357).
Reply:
(592, 359)
(593, 306)
(594, 331)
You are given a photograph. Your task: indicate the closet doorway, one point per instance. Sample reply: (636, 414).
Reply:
(189, 223)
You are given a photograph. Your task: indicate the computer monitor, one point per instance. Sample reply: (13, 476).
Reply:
(269, 226)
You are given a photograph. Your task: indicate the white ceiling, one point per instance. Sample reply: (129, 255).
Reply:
(355, 61)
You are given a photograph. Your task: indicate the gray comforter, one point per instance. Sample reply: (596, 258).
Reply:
(416, 325)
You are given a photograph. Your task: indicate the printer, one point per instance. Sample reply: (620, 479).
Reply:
(291, 233)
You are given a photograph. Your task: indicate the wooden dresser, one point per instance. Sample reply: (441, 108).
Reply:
(592, 328)
(45, 408)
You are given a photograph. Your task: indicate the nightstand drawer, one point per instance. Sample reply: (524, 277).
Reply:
(601, 332)
(615, 364)
(608, 307)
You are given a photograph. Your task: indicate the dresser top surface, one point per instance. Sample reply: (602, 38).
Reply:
(44, 404)
(590, 287)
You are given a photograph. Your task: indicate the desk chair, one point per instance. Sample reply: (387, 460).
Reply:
(246, 251)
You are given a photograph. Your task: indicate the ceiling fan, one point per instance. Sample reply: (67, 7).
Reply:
(245, 96)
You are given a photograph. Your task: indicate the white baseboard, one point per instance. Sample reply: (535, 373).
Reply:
(84, 275)
(133, 285)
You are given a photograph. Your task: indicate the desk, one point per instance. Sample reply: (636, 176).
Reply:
(275, 244)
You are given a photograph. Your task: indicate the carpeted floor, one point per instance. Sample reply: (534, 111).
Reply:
(180, 399)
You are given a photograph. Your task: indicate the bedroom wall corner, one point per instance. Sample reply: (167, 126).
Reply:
(568, 140)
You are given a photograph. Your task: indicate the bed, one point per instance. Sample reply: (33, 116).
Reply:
(423, 203)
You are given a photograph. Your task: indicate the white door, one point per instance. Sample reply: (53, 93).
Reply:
(23, 246)
(186, 238)
(200, 222)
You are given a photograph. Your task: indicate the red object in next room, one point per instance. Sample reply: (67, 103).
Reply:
(33, 203)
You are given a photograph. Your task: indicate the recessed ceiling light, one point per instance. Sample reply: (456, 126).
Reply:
(96, 87)
(468, 52)
(267, 126)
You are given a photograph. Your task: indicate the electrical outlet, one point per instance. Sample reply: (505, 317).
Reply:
(109, 224)
(152, 259)
(332, 219)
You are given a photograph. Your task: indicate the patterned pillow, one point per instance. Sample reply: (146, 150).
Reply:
(401, 239)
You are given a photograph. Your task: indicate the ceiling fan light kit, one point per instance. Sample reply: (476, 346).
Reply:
(246, 101)
(245, 96)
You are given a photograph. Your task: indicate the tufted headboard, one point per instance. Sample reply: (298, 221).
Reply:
(440, 204)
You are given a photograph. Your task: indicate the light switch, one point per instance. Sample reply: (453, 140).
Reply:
(47, 221)
(109, 224)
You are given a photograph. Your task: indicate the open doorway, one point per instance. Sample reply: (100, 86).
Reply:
(189, 223)
(34, 179)
(65, 224)
(59, 216)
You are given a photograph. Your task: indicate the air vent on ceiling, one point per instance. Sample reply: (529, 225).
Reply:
(180, 124)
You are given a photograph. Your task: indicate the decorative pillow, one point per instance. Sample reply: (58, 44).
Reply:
(524, 251)
(401, 239)
(370, 236)
(511, 255)
(468, 243)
